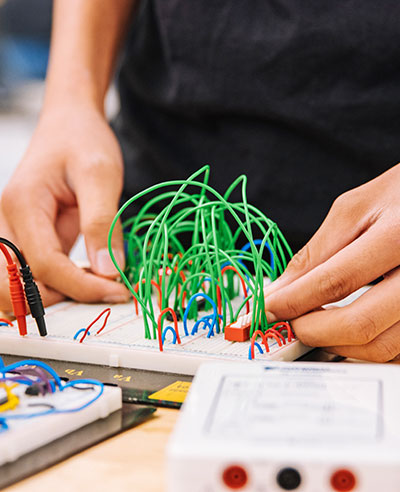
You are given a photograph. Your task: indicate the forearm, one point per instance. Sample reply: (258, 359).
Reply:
(86, 37)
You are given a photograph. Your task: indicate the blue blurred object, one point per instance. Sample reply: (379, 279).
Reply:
(24, 40)
(23, 58)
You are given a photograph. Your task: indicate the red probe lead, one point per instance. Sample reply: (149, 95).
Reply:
(16, 291)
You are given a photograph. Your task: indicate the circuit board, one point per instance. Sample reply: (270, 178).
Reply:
(121, 342)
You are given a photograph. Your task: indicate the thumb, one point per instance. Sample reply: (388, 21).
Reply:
(98, 193)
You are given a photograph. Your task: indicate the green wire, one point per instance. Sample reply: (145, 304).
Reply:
(191, 236)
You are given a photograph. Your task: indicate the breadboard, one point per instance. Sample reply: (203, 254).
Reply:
(122, 343)
(26, 435)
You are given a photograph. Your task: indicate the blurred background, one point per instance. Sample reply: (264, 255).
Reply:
(25, 27)
(24, 48)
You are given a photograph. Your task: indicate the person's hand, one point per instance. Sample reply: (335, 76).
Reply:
(358, 242)
(69, 180)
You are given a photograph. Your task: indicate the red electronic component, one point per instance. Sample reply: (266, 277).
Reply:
(343, 480)
(237, 334)
(235, 477)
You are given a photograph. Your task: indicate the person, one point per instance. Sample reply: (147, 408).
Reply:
(304, 99)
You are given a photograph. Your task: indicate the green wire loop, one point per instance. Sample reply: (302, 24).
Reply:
(185, 234)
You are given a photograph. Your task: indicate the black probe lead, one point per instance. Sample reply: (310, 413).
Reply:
(31, 289)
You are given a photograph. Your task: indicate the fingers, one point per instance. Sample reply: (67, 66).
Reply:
(357, 264)
(39, 241)
(343, 224)
(357, 324)
(98, 191)
(49, 296)
(383, 348)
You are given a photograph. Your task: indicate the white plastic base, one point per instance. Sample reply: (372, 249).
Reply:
(24, 436)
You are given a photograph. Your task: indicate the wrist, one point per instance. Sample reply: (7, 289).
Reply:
(77, 89)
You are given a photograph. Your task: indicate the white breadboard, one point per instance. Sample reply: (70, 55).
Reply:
(308, 427)
(122, 342)
(26, 435)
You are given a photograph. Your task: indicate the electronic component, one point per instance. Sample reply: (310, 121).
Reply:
(288, 426)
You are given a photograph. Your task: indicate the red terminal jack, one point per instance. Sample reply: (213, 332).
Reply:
(343, 480)
(235, 477)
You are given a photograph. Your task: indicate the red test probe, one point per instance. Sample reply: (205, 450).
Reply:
(23, 291)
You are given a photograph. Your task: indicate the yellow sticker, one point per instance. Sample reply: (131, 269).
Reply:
(175, 392)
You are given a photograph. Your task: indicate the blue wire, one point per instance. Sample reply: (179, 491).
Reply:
(32, 362)
(168, 328)
(256, 344)
(3, 424)
(206, 323)
(72, 410)
(19, 381)
(4, 324)
(186, 313)
(79, 332)
(257, 242)
(1, 363)
(228, 263)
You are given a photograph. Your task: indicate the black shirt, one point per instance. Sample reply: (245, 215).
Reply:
(303, 97)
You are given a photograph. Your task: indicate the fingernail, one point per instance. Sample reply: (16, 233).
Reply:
(116, 299)
(104, 264)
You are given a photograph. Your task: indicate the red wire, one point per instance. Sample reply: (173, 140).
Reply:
(3, 320)
(17, 294)
(276, 333)
(108, 311)
(219, 302)
(284, 326)
(159, 326)
(264, 341)
(155, 284)
(6, 253)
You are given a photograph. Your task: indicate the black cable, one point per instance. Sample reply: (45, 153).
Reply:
(16, 251)
(32, 292)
